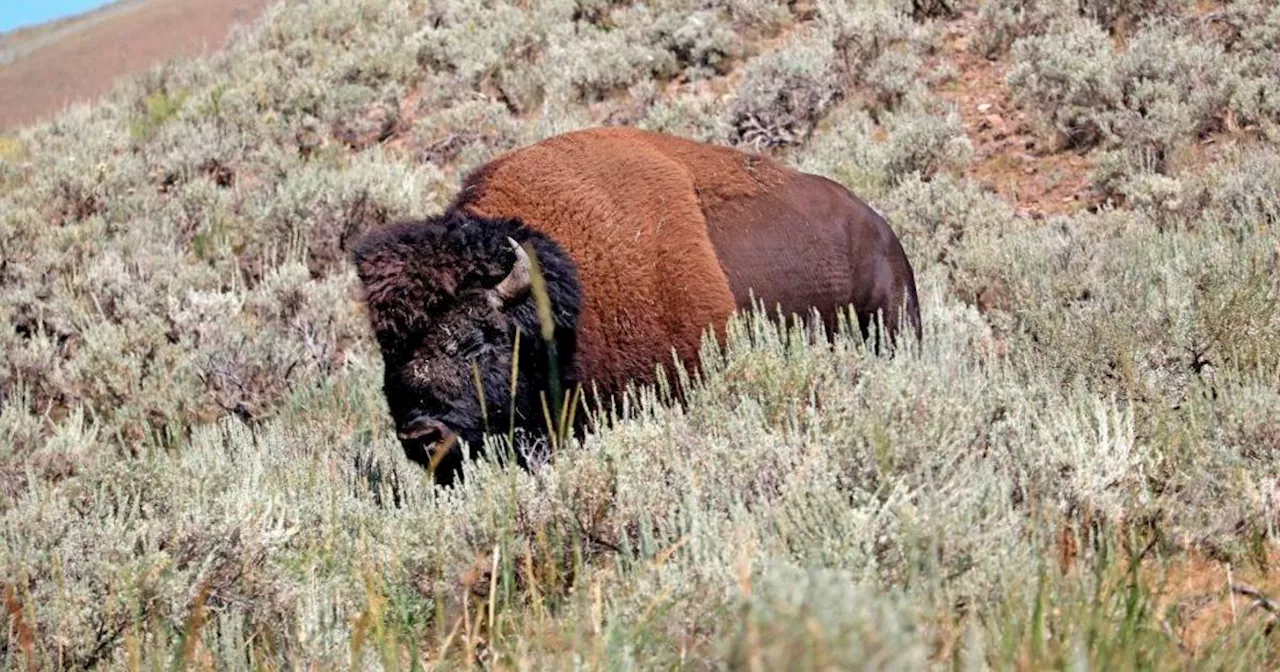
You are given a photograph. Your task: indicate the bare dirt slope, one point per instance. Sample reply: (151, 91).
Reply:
(81, 58)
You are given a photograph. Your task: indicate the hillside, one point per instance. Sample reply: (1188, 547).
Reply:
(1078, 467)
(47, 67)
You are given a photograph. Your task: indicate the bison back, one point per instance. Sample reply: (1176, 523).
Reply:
(628, 215)
(795, 241)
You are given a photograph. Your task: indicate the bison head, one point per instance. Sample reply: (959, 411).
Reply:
(446, 299)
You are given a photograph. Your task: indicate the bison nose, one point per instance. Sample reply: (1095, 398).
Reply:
(423, 428)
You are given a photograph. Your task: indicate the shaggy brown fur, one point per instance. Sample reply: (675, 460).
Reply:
(692, 230)
(646, 241)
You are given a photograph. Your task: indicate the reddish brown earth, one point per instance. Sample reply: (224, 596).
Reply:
(1009, 158)
(88, 54)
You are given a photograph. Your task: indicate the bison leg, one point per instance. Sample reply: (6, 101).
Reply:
(882, 324)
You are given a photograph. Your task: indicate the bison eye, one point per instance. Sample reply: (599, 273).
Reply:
(470, 344)
(465, 345)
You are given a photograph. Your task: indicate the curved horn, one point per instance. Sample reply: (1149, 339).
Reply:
(517, 281)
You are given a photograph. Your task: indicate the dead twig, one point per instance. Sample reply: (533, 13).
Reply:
(1259, 597)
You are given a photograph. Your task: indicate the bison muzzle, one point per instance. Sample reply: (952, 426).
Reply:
(641, 242)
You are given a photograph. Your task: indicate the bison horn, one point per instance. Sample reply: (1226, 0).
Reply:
(517, 281)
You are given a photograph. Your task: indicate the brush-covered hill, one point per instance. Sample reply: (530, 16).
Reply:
(77, 58)
(1079, 466)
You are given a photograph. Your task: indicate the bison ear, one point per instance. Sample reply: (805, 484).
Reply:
(399, 280)
(381, 266)
(516, 285)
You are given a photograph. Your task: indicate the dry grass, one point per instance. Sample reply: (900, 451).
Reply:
(1078, 467)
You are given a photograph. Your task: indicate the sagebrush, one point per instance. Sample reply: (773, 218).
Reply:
(196, 465)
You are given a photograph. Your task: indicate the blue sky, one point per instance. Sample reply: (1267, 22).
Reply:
(19, 13)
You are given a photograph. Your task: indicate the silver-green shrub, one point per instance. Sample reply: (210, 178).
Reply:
(918, 141)
(1069, 77)
(877, 49)
(196, 466)
(871, 55)
(1000, 23)
(1253, 31)
(1163, 90)
(702, 43)
(698, 116)
(784, 95)
(1117, 14)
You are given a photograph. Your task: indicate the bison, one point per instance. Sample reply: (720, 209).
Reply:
(640, 241)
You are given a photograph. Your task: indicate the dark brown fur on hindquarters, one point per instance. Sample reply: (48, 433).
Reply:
(646, 240)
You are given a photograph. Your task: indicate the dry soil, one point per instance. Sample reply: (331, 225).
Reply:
(80, 58)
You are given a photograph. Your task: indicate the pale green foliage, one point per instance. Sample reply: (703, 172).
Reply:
(1170, 84)
(1112, 13)
(1254, 31)
(466, 134)
(925, 143)
(700, 41)
(919, 141)
(195, 450)
(605, 62)
(694, 116)
(1162, 89)
(1002, 22)
(583, 51)
(1172, 88)
(1243, 191)
(755, 16)
(1069, 75)
(935, 217)
(869, 55)
(792, 468)
(784, 95)
(876, 48)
